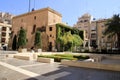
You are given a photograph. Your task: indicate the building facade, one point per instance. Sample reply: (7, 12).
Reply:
(5, 31)
(83, 23)
(43, 20)
(104, 42)
(95, 33)
(6, 18)
(5, 28)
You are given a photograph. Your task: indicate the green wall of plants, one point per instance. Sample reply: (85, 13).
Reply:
(68, 37)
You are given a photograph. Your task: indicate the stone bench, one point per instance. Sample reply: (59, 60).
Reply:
(23, 57)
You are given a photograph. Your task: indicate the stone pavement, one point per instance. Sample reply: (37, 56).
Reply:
(54, 71)
(8, 74)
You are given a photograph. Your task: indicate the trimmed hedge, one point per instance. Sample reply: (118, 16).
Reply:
(59, 57)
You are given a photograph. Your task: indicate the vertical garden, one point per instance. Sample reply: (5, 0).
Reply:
(68, 38)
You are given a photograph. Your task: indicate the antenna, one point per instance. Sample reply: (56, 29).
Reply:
(33, 6)
(29, 6)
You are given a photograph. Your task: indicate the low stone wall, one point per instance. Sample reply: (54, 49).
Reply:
(22, 57)
(117, 57)
(93, 65)
(100, 56)
(10, 55)
(45, 60)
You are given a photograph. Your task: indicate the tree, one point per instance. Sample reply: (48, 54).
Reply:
(67, 40)
(37, 41)
(14, 43)
(22, 38)
(77, 41)
(114, 28)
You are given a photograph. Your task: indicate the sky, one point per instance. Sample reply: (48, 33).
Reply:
(70, 9)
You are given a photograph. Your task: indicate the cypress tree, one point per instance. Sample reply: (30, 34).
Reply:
(37, 41)
(22, 38)
(14, 44)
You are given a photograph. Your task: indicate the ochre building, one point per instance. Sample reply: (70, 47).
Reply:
(44, 20)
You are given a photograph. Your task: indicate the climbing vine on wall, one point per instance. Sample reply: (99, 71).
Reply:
(68, 37)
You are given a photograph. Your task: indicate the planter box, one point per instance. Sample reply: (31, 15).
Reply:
(45, 60)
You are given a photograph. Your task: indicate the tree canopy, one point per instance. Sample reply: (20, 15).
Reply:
(77, 41)
(113, 25)
(113, 28)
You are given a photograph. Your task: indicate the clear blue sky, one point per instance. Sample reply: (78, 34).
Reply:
(70, 9)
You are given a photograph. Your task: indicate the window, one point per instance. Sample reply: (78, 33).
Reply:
(3, 34)
(35, 17)
(50, 28)
(10, 29)
(50, 35)
(81, 21)
(50, 43)
(3, 39)
(85, 20)
(34, 28)
(3, 28)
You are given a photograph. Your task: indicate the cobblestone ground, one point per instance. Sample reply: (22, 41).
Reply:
(53, 71)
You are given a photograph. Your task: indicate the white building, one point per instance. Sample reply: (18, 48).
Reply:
(5, 31)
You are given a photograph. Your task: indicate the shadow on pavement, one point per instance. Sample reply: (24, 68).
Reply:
(73, 73)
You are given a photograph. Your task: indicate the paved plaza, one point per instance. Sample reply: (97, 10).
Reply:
(15, 69)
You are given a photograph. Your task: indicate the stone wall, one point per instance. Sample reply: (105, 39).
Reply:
(94, 65)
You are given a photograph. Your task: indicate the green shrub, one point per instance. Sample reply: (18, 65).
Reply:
(59, 57)
(64, 55)
(81, 57)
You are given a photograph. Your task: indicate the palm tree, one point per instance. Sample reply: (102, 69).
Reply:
(113, 28)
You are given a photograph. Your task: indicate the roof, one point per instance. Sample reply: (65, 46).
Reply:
(40, 10)
(6, 25)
